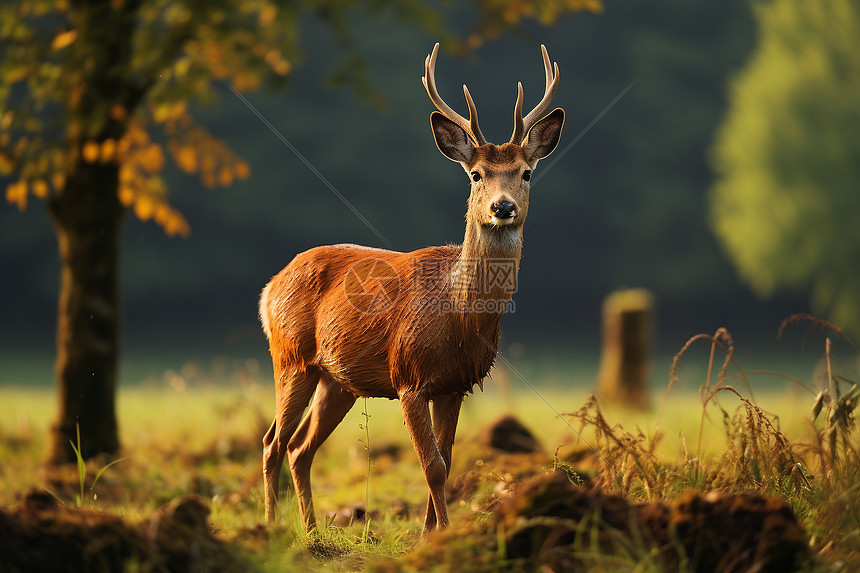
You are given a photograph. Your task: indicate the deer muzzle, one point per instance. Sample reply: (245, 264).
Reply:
(503, 212)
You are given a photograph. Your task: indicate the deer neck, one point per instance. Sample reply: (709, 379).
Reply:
(484, 276)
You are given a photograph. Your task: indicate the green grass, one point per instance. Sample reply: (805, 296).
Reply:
(197, 437)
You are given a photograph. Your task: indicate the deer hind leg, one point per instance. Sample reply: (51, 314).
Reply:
(293, 391)
(416, 414)
(446, 412)
(330, 404)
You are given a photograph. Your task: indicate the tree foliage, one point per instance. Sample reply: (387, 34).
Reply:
(59, 106)
(788, 152)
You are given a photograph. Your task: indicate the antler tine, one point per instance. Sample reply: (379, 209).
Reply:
(517, 136)
(473, 118)
(522, 125)
(470, 126)
(546, 66)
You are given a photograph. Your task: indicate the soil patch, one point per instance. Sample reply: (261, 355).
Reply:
(42, 534)
(508, 434)
(553, 525)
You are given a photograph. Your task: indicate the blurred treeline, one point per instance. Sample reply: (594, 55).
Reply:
(621, 204)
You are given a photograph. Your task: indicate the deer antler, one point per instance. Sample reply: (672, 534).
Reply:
(470, 126)
(522, 125)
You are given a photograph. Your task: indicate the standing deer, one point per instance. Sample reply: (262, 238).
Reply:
(345, 321)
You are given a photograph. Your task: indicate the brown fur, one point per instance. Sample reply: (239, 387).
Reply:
(345, 321)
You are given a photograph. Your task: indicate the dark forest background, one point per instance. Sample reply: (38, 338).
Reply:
(621, 203)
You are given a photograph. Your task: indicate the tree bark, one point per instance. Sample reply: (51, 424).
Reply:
(625, 363)
(87, 217)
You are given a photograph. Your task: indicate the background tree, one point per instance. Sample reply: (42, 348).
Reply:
(95, 96)
(786, 205)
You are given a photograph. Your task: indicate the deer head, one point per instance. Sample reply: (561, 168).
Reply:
(499, 174)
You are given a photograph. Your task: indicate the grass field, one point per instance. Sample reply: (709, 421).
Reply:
(185, 434)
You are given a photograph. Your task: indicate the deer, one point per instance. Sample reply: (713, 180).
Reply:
(422, 327)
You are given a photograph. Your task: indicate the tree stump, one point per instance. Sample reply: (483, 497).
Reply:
(627, 343)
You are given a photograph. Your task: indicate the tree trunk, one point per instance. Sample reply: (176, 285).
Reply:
(627, 342)
(87, 218)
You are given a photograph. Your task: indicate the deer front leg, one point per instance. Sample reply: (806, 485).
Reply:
(416, 414)
(446, 412)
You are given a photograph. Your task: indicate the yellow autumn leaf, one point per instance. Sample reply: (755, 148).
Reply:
(282, 68)
(243, 170)
(161, 213)
(58, 180)
(91, 151)
(127, 174)
(126, 195)
(136, 134)
(152, 158)
(64, 39)
(272, 57)
(175, 224)
(40, 189)
(180, 69)
(160, 113)
(144, 208)
(245, 82)
(169, 111)
(267, 15)
(225, 177)
(122, 147)
(108, 151)
(155, 187)
(186, 159)
(16, 193)
(17, 74)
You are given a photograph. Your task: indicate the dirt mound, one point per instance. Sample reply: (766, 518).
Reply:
(509, 435)
(551, 524)
(41, 534)
(715, 532)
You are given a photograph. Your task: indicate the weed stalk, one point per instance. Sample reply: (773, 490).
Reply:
(366, 427)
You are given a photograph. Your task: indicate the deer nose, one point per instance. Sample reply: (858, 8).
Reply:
(503, 209)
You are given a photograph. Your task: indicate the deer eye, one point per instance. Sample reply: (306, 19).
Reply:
(527, 175)
(475, 176)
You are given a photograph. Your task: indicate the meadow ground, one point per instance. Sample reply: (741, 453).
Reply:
(185, 433)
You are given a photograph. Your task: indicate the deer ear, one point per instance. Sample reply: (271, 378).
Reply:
(451, 140)
(543, 136)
